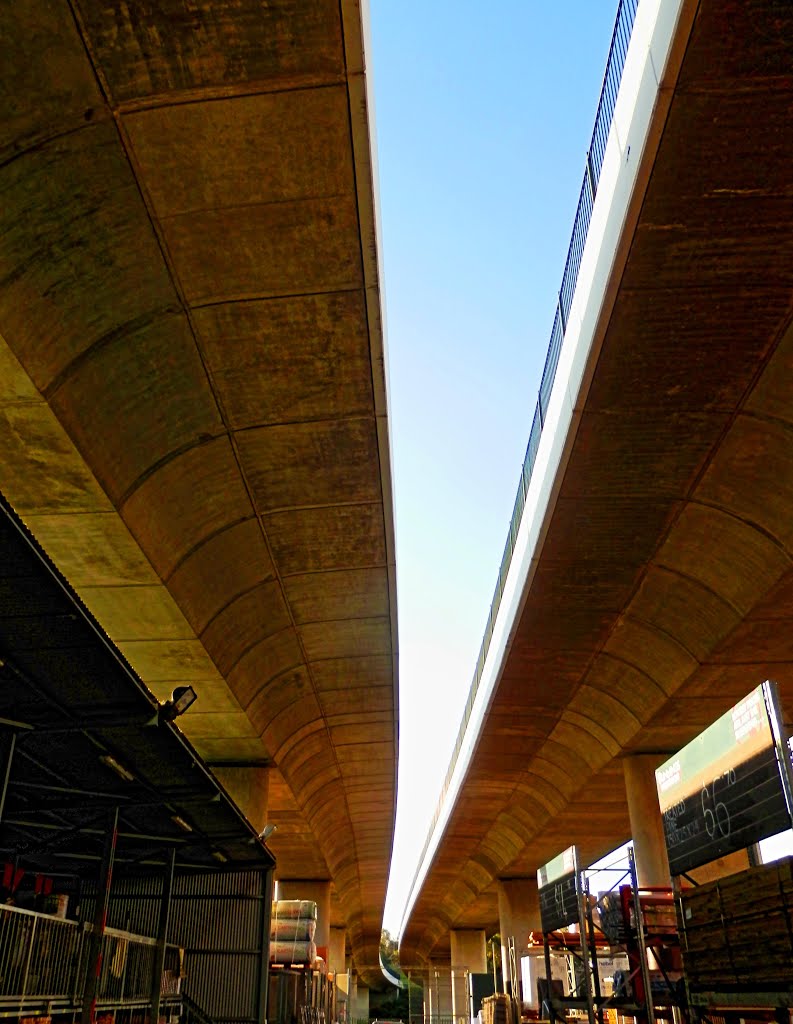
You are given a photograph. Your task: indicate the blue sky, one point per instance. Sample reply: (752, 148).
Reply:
(483, 116)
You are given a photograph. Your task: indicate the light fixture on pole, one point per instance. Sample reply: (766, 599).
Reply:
(182, 698)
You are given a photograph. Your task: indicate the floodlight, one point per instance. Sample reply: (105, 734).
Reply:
(182, 698)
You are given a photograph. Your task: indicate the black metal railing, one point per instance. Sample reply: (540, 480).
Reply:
(626, 13)
(43, 962)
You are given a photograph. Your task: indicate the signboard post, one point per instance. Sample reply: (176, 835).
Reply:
(729, 787)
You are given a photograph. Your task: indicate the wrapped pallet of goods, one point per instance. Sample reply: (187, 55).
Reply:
(292, 927)
(498, 1009)
(737, 932)
(301, 909)
(289, 953)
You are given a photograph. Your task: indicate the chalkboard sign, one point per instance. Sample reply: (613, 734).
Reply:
(558, 888)
(723, 791)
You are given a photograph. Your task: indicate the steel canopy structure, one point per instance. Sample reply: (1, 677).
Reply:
(659, 590)
(82, 737)
(193, 407)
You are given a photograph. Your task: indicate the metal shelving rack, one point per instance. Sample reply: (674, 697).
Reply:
(623, 928)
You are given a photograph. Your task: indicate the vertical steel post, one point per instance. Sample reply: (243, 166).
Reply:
(93, 964)
(551, 1011)
(585, 954)
(158, 963)
(9, 757)
(783, 753)
(31, 943)
(514, 989)
(640, 939)
(262, 995)
(590, 176)
(594, 954)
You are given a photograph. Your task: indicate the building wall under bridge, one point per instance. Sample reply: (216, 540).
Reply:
(223, 922)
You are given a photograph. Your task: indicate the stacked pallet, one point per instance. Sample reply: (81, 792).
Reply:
(737, 933)
(612, 923)
(292, 927)
(498, 1009)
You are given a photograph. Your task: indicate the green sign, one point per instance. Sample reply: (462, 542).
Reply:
(558, 890)
(556, 868)
(724, 791)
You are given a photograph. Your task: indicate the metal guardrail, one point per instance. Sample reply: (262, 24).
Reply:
(40, 956)
(620, 39)
(43, 960)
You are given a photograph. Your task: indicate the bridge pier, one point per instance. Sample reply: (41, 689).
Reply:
(337, 950)
(518, 915)
(469, 956)
(360, 1006)
(647, 826)
(438, 994)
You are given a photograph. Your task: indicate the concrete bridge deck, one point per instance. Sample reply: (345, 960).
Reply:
(652, 580)
(193, 409)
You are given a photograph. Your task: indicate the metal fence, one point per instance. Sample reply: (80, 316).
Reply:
(626, 13)
(221, 922)
(43, 959)
(40, 956)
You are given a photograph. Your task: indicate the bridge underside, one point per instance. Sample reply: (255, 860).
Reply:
(663, 590)
(193, 414)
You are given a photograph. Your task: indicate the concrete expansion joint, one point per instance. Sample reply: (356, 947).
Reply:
(752, 524)
(217, 93)
(200, 441)
(263, 297)
(40, 143)
(289, 201)
(125, 330)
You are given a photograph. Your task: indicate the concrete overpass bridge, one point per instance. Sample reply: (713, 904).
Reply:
(193, 408)
(648, 578)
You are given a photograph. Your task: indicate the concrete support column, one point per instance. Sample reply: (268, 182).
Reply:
(469, 956)
(337, 944)
(319, 892)
(427, 982)
(440, 989)
(518, 916)
(361, 1008)
(647, 827)
(249, 789)
(343, 1005)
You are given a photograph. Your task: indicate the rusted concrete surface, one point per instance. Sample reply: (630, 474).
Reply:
(664, 586)
(193, 412)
